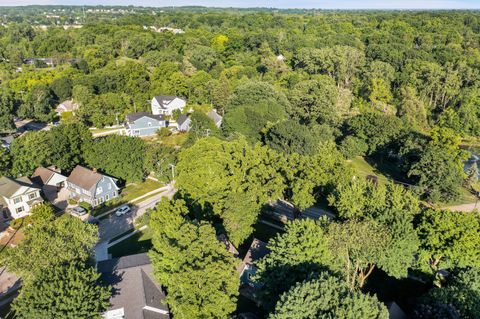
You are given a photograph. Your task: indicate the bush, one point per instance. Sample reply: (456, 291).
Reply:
(85, 206)
(352, 146)
(72, 201)
(164, 132)
(20, 222)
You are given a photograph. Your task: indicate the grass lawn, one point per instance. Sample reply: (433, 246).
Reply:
(175, 139)
(103, 130)
(363, 168)
(139, 243)
(131, 191)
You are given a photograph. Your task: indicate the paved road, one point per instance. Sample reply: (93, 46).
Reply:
(114, 225)
(285, 209)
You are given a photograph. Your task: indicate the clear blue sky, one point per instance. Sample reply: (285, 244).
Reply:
(322, 4)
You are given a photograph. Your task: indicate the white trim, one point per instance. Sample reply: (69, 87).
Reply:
(157, 310)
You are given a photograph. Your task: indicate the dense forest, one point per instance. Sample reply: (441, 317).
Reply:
(303, 94)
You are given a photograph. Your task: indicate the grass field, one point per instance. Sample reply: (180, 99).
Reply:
(139, 243)
(363, 168)
(175, 139)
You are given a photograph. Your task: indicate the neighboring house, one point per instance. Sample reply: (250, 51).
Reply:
(144, 124)
(136, 293)
(90, 186)
(164, 104)
(18, 196)
(183, 123)
(216, 118)
(66, 106)
(50, 176)
(258, 249)
(228, 245)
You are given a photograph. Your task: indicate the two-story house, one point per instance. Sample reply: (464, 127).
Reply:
(144, 124)
(164, 104)
(85, 185)
(18, 196)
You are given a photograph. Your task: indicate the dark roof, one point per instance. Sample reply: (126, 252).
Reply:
(123, 262)
(42, 175)
(182, 119)
(132, 117)
(84, 177)
(9, 186)
(134, 287)
(258, 249)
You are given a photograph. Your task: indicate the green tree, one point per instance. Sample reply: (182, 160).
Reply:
(462, 292)
(327, 297)
(315, 101)
(119, 156)
(5, 161)
(62, 88)
(62, 291)
(38, 104)
(7, 106)
(448, 239)
(30, 151)
(68, 144)
(213, 172)
(291, 137)
(194, 266)
(294, 256)
(46, 245)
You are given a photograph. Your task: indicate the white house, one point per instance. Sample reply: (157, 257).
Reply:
(49, 177)
(165, 105)
(18, 196)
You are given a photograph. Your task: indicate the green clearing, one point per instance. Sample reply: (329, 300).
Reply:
(363, 168)
(175, 139)
(141, 242)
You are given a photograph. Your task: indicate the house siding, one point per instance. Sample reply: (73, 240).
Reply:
(106, 190)
(141, 127)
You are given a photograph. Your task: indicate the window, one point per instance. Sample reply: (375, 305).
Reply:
(149, 123)
(107, 197)
(17, 200)
(19, 210)
(99, 190)
(110, 186)
(32, 195)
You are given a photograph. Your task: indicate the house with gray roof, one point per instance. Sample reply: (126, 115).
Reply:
(144, 124)
(136, 293)
(183, 123)
(18, 196)
(166, 104)
(215, 117)
(66, 106)
(86, 185)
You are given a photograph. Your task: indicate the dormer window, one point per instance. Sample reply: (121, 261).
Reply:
(99, 190)
(149, 123)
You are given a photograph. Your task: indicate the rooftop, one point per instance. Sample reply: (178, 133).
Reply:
(135, 290)
(132, 117)
(84, 177)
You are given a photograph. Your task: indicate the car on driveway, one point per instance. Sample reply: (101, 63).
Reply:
(79, 211)
(92, 221)
(125, 209)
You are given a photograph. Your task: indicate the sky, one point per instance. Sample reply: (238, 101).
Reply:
(320, 4)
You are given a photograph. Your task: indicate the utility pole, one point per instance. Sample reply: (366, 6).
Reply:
(173, 171)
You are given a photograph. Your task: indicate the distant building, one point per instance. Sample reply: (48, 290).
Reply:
(66, 106)
(18, 196)
(183, 123)
(136, 293)
(90, 186)
(165, 104)
(216, 118)
(144, 124)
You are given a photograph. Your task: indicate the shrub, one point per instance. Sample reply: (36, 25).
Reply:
(352, 146)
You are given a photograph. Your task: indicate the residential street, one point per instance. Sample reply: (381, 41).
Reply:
(114, 225)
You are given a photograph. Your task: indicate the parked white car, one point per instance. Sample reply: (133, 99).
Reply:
(79, 211)
(125, 209)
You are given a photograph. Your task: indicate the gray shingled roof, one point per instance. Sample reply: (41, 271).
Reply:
(134, 287)
(182, 119)
(132, 117)
(164, 100)
(214, 116)
(9, 186)
(84, 177)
